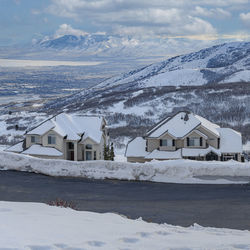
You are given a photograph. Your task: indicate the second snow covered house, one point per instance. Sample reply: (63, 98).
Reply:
(186, 135)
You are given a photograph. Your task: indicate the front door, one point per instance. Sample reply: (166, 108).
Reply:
(72, 155)
(211, 157)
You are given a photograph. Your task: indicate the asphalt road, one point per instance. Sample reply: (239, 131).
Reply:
(178, 204)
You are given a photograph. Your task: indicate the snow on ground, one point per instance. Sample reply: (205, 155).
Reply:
(22, 119)
(241, 76)
(3, 147)
(246, 147)
(172, 171)
(39, 226)
(176, 78)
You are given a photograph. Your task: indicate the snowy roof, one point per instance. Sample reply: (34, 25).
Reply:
(40, 150)
(17, 148)
(156, 154)
(42, 129)
(208, 125)
(230, 140)
(192, 152)
(72, 126)
(178, 126)
(136, 148)
(158, 125)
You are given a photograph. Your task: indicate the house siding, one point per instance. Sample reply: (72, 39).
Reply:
(28, 140)
(212, 139)
(153, 144)
(95, 147)
(59, 141)
(167, 148)
(179, 143)
(194, 134)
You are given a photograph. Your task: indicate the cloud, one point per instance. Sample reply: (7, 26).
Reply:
(245, 18)
(66, 29)
(35, 12)
(216, 13)
(193, 18)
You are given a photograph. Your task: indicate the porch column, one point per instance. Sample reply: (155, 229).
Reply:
(75, 151)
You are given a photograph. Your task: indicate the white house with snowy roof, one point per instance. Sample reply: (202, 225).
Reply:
(186, 135)
(64, 136)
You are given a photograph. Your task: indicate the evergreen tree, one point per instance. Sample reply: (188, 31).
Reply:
(105, 152)
(112, 153)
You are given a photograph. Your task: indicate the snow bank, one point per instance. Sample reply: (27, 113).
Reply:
(63, 228)
(175, 171)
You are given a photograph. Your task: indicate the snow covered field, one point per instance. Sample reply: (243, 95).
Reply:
(39, 226)
(172, 171)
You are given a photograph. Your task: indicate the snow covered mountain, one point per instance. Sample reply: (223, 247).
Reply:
(71, 41)
(213, 82)
(111, 47)
(218, 64)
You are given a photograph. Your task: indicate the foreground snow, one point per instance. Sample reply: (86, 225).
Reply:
(175, 171)
(39, 226)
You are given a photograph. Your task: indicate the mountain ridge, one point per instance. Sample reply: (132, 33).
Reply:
(135, 100)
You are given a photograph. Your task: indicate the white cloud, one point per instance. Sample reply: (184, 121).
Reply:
(245, 17)
(35, 12)
(150, 18)
(66, 29)
(217, 13)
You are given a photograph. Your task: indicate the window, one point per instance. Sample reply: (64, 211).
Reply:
(218, 142)
(70, 145)
(51, 139)
(194, 141)
(88, 146)
(34, 139)
(166, 143)
(94, 155)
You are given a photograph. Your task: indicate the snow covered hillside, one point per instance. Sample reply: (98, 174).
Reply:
(213, 83)
(221, 63)
(202, 82)
(62, 228)
(172, 171)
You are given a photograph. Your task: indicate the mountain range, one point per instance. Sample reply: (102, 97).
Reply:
(213, 82)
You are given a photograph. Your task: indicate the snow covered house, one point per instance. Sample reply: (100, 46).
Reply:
(186, 135)
(64, 136)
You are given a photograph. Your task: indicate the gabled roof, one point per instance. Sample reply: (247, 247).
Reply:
(72, 126)
(182, 124)
(156, 126)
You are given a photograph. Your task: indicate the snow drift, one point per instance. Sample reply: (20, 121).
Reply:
(61, 228)
(175, 171)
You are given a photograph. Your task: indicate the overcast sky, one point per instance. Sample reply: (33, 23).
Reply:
(195, 20)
